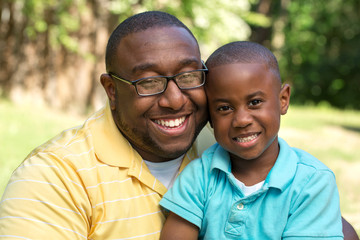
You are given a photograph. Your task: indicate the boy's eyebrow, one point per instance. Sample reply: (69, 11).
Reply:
(221, 100)
(257, 93)
(251, 95)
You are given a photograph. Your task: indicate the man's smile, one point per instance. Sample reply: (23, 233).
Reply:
(171, 123)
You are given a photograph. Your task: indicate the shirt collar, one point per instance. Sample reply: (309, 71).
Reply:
(220, 158)
(284, 169)
(111, 147)
(280, 175)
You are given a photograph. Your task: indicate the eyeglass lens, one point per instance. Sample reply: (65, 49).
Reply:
(186, 80)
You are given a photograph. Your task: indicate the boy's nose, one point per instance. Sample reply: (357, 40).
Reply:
(242, 118)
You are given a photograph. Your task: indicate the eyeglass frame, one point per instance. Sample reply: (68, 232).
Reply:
(168, 78)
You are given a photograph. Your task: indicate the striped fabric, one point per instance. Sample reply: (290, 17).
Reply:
(86, 183)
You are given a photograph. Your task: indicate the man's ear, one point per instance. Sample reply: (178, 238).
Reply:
(110, 88)
(284, 98)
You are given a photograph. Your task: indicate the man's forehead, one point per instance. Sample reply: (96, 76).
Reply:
(153, 47)
(155, 34)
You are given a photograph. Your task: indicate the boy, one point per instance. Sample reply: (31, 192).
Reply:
(251, 184)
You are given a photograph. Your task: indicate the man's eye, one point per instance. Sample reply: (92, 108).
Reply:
(149, 83)
(255, 102)
(189, 80)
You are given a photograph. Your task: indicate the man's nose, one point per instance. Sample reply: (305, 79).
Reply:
(172, 97)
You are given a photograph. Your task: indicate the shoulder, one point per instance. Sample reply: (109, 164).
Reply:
(307, 160)
(64, 155)
(307, 169)
(66, 148)
(301, 157)
(200, 168)
(206, 157)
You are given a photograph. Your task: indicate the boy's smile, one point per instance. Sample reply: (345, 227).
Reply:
(245, 104)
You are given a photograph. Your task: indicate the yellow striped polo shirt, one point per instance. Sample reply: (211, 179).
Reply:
(86, 183)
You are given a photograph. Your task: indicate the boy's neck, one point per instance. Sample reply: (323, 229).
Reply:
(253, 171)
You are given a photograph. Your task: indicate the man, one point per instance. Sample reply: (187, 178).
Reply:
(104, 180)
(91, 182)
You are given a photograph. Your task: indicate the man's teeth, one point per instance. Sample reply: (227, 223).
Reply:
(246, 139)
(171, 123)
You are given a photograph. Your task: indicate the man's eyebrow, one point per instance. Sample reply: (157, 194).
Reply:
(143, 67)
(146, 66)
(188, 61)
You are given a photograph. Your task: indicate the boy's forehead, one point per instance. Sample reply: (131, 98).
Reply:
(248, 75)
(240, 69)
(239, 65)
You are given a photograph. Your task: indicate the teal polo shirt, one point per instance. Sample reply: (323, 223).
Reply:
(299, 199)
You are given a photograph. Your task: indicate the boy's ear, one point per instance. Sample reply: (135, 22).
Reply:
(284, 98)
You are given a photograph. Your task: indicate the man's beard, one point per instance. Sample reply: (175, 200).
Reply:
(146, 143)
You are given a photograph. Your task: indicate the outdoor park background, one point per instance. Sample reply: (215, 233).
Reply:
(52, 54)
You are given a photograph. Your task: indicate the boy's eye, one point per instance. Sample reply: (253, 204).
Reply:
(223, 108)
(255, 102)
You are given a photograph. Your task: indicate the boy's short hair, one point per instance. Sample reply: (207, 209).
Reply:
(244, 52)
(137, 23)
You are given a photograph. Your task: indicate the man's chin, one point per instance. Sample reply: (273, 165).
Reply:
(172, 151)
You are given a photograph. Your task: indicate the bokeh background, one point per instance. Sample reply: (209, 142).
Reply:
(52, 54)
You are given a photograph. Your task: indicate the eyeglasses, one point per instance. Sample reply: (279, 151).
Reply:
(155, 85)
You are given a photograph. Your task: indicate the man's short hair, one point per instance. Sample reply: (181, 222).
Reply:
(244, 52)
(137, 23)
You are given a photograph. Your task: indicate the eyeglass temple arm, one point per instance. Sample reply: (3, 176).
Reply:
(120, 79)
(203, 63)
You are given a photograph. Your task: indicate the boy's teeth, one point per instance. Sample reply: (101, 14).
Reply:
(246, 139)
(171, 123)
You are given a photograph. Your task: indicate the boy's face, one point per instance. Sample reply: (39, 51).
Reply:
(245, 103)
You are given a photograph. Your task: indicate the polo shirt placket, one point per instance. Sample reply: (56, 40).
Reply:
(240, 209)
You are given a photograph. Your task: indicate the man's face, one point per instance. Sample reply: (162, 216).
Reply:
(163, 126)
(245, 104)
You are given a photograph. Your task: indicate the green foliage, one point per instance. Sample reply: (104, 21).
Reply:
(22, 129)
(214, 22)
(317, 42)
(57, 19)
(320, 56)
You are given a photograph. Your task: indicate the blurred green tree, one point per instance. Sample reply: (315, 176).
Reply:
(321, 51)
(52, 52)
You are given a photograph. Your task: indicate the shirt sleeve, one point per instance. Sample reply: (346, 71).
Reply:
(315, 212)
(44, 199)
(186, 197)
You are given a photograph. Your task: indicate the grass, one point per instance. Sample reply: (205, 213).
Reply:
(22, 129)
(331, 135)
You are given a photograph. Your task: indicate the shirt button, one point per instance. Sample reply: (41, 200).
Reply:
(240, 206)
